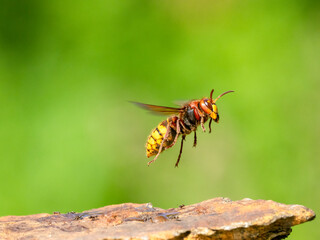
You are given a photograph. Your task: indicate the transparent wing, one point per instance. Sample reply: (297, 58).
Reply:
(181, 102)
(159, 109)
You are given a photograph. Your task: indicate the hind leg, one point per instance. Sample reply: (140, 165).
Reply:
(161, 145)
(178, 131)
(183, 138)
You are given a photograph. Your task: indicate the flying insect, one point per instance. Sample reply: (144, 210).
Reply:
(183, 121)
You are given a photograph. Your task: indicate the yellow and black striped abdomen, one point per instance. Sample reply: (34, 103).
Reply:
(156, 137)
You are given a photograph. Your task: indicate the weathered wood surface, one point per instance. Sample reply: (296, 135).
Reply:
(218, 218)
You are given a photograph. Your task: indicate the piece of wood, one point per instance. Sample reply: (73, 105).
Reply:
(218, 218)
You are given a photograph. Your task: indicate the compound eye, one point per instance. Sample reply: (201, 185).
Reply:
(205, 105)
(208, 104)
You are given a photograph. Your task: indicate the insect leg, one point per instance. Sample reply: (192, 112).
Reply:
(161, 145)
(202, 125)
(183, 138)
(184, 127)
(210, 125)
(195, 139)
(177, 134)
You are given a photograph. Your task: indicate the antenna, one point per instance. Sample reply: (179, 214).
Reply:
(211, 95)
(221, 95)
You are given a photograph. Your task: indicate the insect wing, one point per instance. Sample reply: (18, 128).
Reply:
(182, 102)
(159, 109)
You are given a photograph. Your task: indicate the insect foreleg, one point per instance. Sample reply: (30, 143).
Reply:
(183, 138)
(210, 125)
(161, 145)
(202, 125)
(195, 139)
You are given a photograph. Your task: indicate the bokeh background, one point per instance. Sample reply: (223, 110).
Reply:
(71, 141)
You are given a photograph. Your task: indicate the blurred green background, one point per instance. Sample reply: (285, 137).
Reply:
(71, 141)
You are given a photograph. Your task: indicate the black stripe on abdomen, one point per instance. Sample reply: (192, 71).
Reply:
(159, 132)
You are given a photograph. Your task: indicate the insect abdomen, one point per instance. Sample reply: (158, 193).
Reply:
(156, 137)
